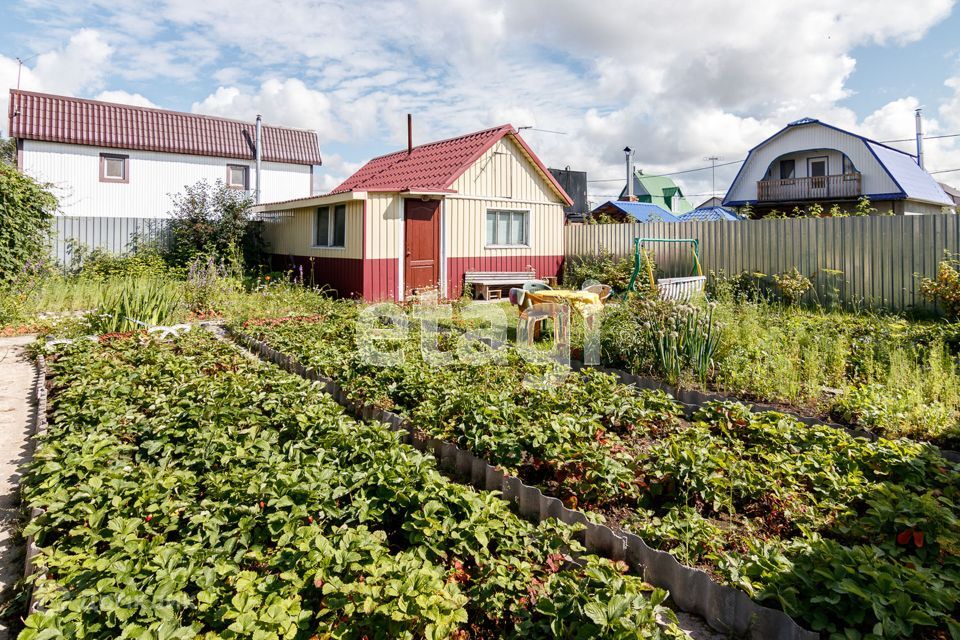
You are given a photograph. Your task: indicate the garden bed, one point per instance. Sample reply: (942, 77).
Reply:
(187, 490)
(805, 517)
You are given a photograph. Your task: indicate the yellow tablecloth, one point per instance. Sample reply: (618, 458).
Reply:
(579, 300)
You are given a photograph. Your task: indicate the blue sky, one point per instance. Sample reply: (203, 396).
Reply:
(676, 81)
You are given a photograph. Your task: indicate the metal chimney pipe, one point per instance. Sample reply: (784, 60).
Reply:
(259, 155)
(628, 156)
(409, 133)
(919, 138)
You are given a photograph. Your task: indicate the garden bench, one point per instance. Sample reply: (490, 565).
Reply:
(489, 283)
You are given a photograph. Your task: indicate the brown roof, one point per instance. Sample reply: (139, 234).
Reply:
(41, 116)
(435, 166)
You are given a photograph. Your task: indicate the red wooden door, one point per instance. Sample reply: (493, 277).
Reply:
(421, 232)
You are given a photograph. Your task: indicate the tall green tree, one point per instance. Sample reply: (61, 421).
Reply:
(26, 209)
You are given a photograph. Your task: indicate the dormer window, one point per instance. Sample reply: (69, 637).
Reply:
(114, 168)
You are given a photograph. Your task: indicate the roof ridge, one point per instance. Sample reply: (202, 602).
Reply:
(134, 107)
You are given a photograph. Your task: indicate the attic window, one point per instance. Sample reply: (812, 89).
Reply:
(113, 168)
(788, 169)
(238, 176)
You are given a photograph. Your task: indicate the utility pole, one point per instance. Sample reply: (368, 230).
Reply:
(713, 174)
(20, 62)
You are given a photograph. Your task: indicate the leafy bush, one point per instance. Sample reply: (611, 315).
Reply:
(945, 288)
(26, 210)
(209, 283)
(792, 285)
(211, 219)
(604, 268)
(744, 287)
(145, 262)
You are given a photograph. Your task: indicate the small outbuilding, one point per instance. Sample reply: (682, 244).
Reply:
(626, 211)
(419, 219)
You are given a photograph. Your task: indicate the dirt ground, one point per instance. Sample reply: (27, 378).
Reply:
(17, 408)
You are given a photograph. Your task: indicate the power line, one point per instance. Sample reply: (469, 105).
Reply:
(944, 171)
(674, 173)
(946, 135)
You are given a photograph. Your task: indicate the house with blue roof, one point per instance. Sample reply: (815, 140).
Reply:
(626, 211)
(809, 161)
(710, 214)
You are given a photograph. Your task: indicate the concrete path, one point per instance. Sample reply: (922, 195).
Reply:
(17, 408)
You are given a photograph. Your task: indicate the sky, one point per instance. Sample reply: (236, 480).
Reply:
(676, 81)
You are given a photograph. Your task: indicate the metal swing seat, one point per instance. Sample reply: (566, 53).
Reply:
(680, 289)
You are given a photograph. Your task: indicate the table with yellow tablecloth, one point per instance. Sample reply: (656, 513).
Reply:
(584, 302)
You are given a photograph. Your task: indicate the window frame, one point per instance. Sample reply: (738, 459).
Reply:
(332, 211)
(527, 218)
(125, 159)
(793, 167)
(246, 177)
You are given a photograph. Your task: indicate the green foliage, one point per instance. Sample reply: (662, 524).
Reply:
(744, 287)
(804, 517)
(792, 285)
(210, 219)
(192, 492)
(945, 288)
(864, 207)
(8, 151)
(209, 283)
(663, 338)
(26, 209)
(99, 264)
(131, 304)
(603, 267)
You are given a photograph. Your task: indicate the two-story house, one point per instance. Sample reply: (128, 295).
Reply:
(120, 161)
(810, 161)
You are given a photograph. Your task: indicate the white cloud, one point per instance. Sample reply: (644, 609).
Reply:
(123, 97)
(677, 81)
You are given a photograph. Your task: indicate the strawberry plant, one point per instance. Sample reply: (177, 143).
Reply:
(191, 492)
(855, 539)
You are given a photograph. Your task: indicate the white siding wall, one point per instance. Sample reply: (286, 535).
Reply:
(812, 137)
(74, 170)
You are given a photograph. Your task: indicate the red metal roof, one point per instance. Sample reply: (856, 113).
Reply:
(40, 116)
(435, 166)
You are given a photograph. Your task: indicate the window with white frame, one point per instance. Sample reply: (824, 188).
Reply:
(238, 176)
(508, 228)
(330, 227)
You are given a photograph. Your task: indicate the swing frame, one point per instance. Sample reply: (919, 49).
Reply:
(638, 259)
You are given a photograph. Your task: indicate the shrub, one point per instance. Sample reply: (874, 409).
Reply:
(747, 286)
(209, 282)
(604, 267)
(26, 209)
(100, 264)
(945, 288)
(792, 285)
(210, 219)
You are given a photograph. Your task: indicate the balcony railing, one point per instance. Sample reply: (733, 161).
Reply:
(818, 188)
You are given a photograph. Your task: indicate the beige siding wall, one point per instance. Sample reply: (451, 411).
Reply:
(292, 233)
(505, 172)
(466, 228)
(384, 225)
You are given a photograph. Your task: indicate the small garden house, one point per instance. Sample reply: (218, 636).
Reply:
(420, 218)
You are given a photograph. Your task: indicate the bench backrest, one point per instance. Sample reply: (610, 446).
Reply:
(499, 276)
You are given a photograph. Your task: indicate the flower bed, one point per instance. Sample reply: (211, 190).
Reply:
(190, 491)
(815, 520)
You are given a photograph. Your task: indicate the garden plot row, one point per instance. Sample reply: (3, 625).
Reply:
(189, 491)
(846, 535)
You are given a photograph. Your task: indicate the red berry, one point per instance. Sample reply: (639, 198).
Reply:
(262, 504)
(918, 538)
(903, 537)
(310, 519)
(149, 518)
